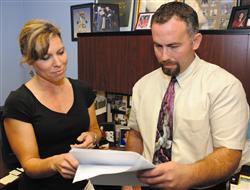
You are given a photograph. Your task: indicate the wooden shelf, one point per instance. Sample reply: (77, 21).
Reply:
(148, 32)
(114, 61)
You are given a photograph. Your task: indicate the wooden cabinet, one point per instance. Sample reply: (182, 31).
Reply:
(113, 62)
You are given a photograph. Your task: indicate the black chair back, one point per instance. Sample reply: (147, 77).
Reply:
(8, 156)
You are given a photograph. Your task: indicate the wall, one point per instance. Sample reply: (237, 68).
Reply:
(13, 15)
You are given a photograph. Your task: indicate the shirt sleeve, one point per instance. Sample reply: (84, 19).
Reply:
(132, 122)
(18, 106)
(229, 116)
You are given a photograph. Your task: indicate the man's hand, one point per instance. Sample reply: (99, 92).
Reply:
(169, 176)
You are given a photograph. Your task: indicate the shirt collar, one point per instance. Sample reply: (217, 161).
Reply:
(181, 78)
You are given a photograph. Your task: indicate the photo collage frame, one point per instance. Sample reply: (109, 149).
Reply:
(114, 128)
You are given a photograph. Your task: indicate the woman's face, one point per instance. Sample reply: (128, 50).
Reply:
(52, 67)
(241, 15)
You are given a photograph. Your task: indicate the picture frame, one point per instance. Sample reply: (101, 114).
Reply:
(123, 136)
(108, 130)
(239, 18)
(126, 12)
(81, 17)
(94, 17)
(100, 103)
(213, 14)
(144, 21)
(105, 18)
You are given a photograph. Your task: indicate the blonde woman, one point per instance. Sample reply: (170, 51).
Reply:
(47, 115)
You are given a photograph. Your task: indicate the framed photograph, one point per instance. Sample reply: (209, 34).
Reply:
(123, 136)
(81, 16)
(213, 14)
(144, 21)
(244, 2)
(239, 18)
(105, 18)
(100, 103)
(126, 12)
(108, 133)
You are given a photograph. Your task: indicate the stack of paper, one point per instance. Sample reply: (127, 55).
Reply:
(109, 167)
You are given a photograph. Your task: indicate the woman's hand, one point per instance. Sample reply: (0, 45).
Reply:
(65, 164)
(86, 140)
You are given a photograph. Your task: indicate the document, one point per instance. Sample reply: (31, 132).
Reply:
(109, 167)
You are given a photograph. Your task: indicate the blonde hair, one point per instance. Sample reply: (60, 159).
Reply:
(34, 39)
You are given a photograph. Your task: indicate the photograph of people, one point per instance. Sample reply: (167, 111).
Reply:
(189, 117)
(106, 18)
(49, 114)
(240, 19)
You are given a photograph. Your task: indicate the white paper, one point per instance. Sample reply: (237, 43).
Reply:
(109, 167)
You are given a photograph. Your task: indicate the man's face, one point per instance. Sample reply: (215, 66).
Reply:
(174, 47)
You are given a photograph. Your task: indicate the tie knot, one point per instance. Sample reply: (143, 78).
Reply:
(173, 79)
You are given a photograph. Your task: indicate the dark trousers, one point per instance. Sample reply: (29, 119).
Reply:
(221, 186)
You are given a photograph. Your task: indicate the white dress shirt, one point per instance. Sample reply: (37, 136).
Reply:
(210, 110)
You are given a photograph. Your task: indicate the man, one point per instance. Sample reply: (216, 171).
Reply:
(210, 111)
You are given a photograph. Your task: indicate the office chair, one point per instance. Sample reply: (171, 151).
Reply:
(8, 156)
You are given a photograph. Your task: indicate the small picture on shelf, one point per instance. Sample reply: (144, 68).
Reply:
(118, 102)
(239, 18)
(144, 21)
(123, 136)
(106, 17)
(120, 119)
(100, 103)
(118, 109)
(126, 11)
(81, 16)
(108, 134)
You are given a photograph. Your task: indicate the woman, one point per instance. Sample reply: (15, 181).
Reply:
(239, 21)
(47, 115)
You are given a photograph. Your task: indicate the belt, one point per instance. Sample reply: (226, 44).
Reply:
(221, 186)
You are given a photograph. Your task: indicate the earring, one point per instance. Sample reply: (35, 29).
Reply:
(31, 72)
